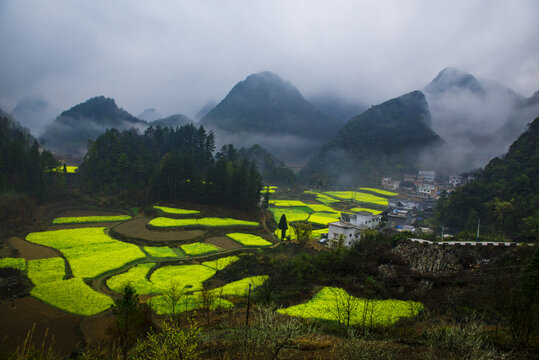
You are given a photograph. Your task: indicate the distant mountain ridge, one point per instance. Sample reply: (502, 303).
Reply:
(264, 103)
(71, 130)
(478, 119)
(385, 139)
(173, 121)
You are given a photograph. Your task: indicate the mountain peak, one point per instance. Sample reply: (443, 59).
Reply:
(265, 103)
(451, 78)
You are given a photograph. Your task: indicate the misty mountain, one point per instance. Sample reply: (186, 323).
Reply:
(13, 130)
(504, 195)
(273, 170)
(34, 113)
(264, 103)
(452, 79)
(205, 110)
(150, 114)
(387, 139)
(336, 107)
(478, 119)
(71, 130)
(172, 121)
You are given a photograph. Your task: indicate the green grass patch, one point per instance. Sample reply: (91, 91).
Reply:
(13, 263)
(189, 276)
(160, 252)
(46, 270)
(358, 196)
(198, 248)
(240, 287)
(221, 263)
(89, 251)
(379, 191)
(89, 219)
(329, 304)
(176, 211)
(249, 239)
(72, 296)
(209, 221)
(187, 302)
(372, 211)
(136, 277)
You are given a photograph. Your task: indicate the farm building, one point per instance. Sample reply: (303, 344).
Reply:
(399, 217)
(351, 225)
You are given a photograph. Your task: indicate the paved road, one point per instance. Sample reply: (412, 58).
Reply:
(469, 243)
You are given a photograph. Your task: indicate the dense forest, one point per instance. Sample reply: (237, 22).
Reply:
(166, 164)
(504, 197)
(23, 166)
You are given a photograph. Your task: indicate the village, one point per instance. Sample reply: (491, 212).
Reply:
(416, 200)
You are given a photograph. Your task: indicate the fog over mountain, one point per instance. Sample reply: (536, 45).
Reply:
(150, 114)
(478, 119)
(176, 56)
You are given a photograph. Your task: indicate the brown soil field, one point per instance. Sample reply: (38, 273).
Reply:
(94, 329)
(86, 212)
(31, 251)
(79, 226)
(17, 321)
(136, 228)
(223, 242)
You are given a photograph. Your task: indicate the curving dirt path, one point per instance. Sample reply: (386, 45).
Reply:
(137, 229)
(31, 251)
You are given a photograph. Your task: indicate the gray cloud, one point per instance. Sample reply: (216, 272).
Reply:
(177, 55)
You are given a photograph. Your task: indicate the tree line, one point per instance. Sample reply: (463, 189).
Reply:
(167, 164)
(24, 167)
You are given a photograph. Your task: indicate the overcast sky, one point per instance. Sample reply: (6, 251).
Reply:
(177, 55)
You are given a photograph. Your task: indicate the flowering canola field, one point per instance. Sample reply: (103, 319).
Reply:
(379, 191)
(198, 248)
(89, 219)
(72, 296)
(249, 239)
(176, 211)
(46, 270)
(89, 251)
(326, 303)
(358, 196)
(240, 287)
(13, 263)
(209, 221)
(136, 277)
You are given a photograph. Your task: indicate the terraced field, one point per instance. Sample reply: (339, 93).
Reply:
(329, 304)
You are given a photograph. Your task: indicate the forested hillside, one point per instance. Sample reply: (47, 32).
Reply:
(24, 168)
(505, 195)
(170, 164)
(387, 139)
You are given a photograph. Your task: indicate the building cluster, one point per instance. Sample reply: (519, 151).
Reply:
(401, 215)
(424, 184)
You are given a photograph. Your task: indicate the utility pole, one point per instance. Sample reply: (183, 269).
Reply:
(443, 228)
(248, 307)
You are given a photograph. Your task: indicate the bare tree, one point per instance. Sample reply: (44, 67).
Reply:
(172, 296)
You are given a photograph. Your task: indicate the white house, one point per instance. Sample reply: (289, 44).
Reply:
(427, 189)
(426, 176)
(351, 225)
